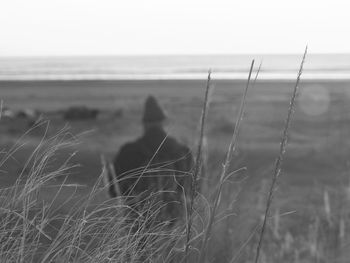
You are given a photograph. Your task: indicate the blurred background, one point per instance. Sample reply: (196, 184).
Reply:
(89, 65)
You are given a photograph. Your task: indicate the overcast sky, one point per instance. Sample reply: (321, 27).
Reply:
(148, 27)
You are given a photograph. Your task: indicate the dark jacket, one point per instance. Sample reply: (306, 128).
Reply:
(155, 164)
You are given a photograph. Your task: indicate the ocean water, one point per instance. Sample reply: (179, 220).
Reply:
(317, 66)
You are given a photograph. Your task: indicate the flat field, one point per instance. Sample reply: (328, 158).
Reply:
(316, 161)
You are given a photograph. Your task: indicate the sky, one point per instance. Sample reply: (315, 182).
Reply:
(162, 27)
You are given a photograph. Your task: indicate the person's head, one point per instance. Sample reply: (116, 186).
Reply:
(153, 115)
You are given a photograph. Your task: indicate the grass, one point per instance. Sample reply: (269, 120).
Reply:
(91, 230)
(32, 231)
(197, 167)
(277, 169)
(224, 175)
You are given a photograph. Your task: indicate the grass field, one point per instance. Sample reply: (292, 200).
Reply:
(315, 168)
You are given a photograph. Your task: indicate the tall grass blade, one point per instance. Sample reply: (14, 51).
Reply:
(231, 148)
(279, 160)
(197, 166)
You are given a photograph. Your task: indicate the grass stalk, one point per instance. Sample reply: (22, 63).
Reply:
(279, 160)
(224, 172)
(197, 166)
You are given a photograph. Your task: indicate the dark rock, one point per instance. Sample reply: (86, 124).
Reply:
(118, 113)
(80, 113)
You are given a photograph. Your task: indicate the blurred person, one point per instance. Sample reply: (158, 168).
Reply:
(155, 169)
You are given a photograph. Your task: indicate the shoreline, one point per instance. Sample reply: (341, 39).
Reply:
(171, 80)
(108, 94)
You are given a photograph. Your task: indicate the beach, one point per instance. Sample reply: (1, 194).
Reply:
(316, 154)
(266, 110)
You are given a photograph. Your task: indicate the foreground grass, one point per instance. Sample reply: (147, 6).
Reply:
(33, 230)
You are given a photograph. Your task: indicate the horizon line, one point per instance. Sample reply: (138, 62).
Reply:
(166, 55)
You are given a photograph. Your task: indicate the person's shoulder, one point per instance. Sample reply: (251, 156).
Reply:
(177, 146)
(182, 153)
(130, 147)
(130, 156)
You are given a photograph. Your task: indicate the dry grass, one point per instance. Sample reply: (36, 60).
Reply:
(279, 161)
(197, 167)
(33, 230)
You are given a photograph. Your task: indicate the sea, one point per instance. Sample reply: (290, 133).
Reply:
(271, 67)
